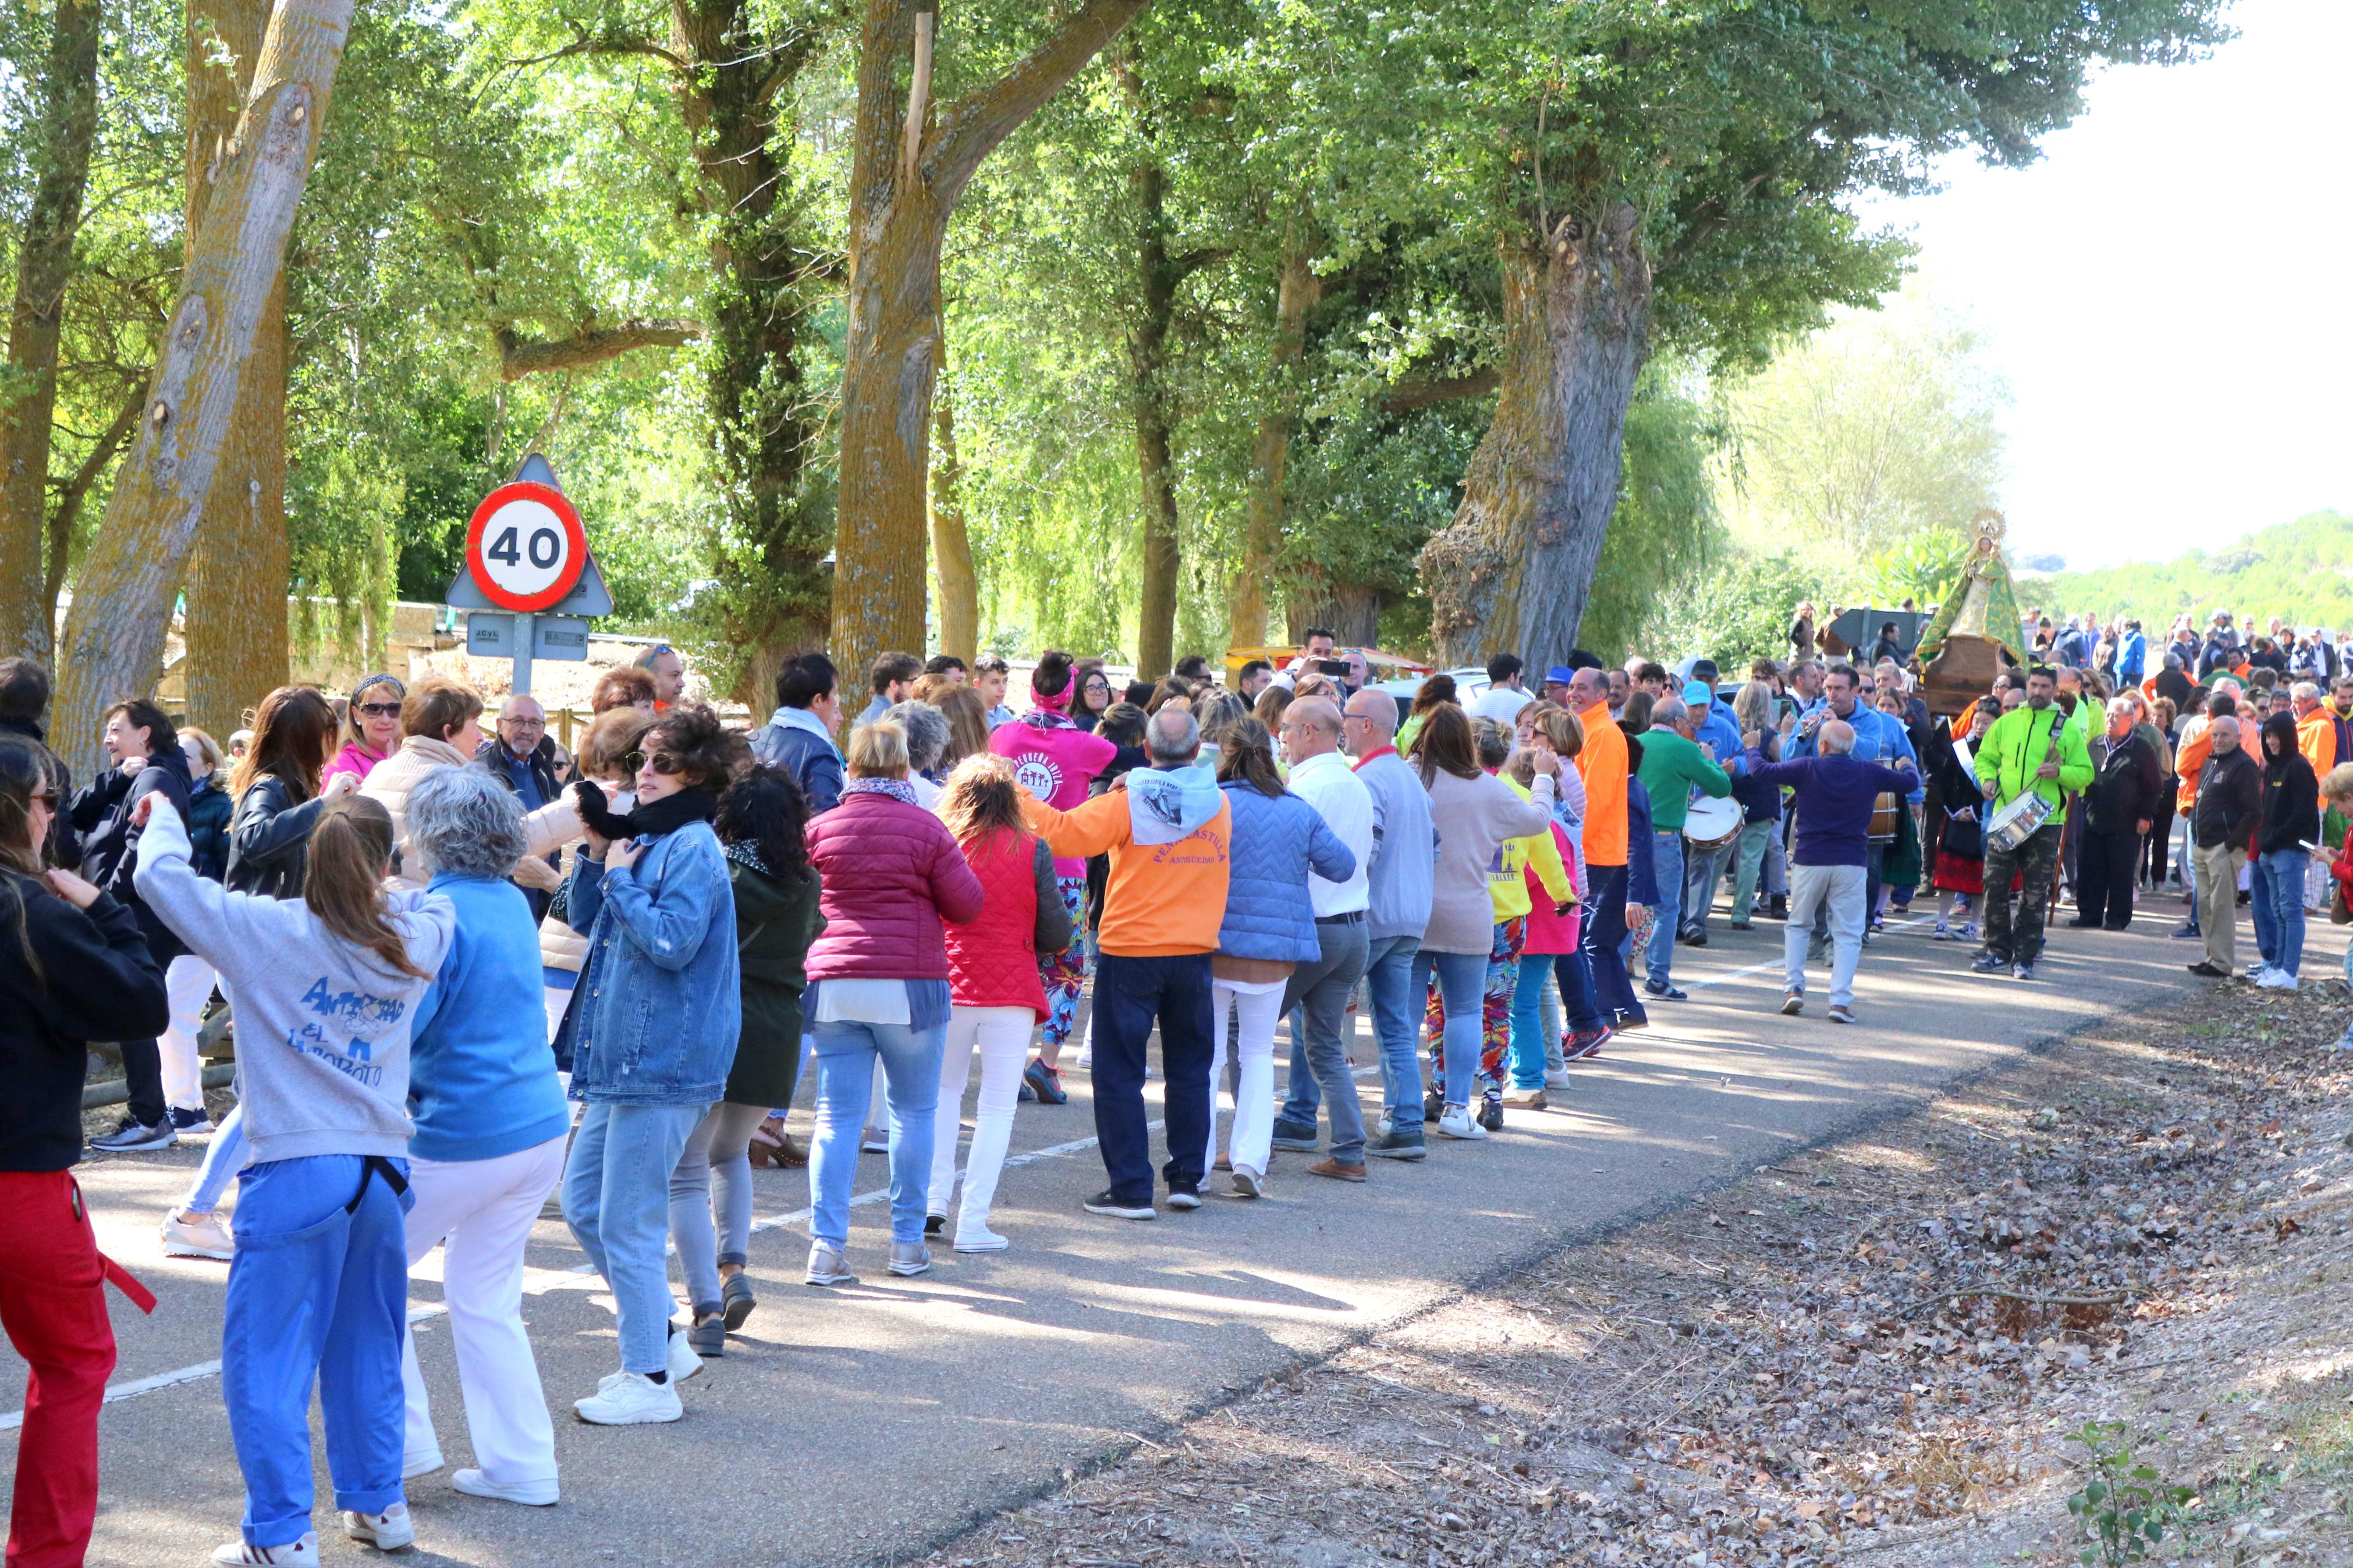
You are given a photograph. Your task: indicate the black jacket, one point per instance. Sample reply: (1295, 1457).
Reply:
(208, 818)
(64, 849)
(2230, 798)
(109, 845)
(270, 840)
(2123, 793)
(2291, 792)
(95, 980)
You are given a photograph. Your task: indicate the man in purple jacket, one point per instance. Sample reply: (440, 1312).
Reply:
(1834, 791)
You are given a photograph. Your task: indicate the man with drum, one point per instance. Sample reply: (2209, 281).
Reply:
(1705, 848)
(1835, 793)
(2028, 764)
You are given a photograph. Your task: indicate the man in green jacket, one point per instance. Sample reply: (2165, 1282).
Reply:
(1674, 764)
(2029, 748)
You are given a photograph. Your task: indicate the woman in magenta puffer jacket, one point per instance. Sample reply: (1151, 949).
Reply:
(878, 988)
(995, 992)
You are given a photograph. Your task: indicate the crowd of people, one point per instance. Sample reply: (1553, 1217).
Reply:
(378, 891)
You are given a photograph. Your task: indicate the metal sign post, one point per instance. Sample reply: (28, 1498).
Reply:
(530, 579)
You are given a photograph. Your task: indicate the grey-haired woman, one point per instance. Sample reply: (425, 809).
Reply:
(490, 1124)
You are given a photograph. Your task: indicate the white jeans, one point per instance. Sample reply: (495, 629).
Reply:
(1840, 889)
(188, 981)
(481, 1212)
(557, 1003)
(1256, 1007)
(1002, 1037)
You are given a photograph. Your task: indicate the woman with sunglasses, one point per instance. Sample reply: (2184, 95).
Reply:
(74, 968)
(371, 730)
(654, 1026)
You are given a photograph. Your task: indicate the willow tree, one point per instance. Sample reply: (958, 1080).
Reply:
(913, 152)
(122, 602)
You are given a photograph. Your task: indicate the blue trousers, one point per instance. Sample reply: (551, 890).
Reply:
(617, 1200)
(2277, 898)
(318, 1293)
(1462, 992)
(1130, 995)
(1602, 944)
(1527, 1016)
(846, 1054)
(1667, 856)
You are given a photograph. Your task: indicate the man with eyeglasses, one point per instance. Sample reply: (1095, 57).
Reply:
(523, 758)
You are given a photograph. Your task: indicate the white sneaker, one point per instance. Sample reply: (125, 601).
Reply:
(302, 1553)
(414, 1465)
(633, 1400)
(386, 1531)
(1555, 1077)
(982, 1239)
(1086, 1056)
(2277, 979)
(533, 1494)
(197, 1235)
(1458, 1122)
(874, 1141)
(683, 1363)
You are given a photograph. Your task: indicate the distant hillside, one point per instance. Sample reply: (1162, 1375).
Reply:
(2300, 572)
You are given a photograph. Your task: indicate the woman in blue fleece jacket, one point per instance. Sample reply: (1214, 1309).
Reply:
(490, 1125)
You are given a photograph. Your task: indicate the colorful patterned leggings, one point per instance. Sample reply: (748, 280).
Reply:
(1065, 973)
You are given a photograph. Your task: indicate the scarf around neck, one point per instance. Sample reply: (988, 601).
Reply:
(650, 819)
(897, 789)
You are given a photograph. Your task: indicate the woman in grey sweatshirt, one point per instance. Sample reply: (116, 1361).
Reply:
(326, 991)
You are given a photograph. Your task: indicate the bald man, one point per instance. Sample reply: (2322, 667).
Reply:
(2230, 802)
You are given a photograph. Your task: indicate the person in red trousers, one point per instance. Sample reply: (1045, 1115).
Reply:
(74, 968)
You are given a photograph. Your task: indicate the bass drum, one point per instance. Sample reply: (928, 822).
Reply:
(1712, 824)
(1884, 810)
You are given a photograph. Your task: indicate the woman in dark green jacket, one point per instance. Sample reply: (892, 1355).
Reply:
(760, 821)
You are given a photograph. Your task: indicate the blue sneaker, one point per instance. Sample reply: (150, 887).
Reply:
(1044, 1082)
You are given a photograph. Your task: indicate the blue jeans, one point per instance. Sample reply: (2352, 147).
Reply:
(1388, 976)
(2278, 901)
(1667, 856)
(1601, 946)
(1130, 993)
(845, 1084)
(318, 1293)
(617, 1201)
(1528, 1032)
(1751, 867)
(223, 1160)
(1462, 988)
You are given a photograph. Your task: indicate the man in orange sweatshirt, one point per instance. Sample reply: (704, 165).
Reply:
(1167, 830)
(1601, 765)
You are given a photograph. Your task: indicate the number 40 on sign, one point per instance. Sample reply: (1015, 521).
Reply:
(525, 547)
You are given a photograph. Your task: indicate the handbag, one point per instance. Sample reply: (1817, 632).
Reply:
(2338, 914)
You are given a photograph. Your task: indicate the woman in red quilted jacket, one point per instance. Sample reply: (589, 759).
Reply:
(995, 992)
(888, 874)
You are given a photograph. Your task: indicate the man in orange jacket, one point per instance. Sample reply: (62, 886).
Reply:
(1601, 764)
(1169, 832)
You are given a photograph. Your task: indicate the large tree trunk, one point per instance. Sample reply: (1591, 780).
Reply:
(731, 101)
(905, 180)
(1512, 573)
(1350, 611)
(959, 599)
(1155, 422)
(123, 605)
(236, 626)
(1295, 295)
(67, 128)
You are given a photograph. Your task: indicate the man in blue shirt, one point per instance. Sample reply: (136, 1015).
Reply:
(1878, 737)
(2132, 655)
(1712, 726)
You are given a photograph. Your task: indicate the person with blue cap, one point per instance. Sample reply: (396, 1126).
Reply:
(1712, 725)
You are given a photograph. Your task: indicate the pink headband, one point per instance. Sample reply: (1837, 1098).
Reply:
(1058, 703)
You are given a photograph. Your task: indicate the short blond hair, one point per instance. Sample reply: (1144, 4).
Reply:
(2337, 784)
(878, 751)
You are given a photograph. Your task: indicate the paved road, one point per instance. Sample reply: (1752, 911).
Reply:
(872, 1421)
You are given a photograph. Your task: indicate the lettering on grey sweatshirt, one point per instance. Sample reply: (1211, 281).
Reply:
(322, 1027)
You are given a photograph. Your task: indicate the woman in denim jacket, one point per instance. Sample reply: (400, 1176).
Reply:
(656, 1016)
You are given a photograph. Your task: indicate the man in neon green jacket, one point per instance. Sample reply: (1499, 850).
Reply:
(2029, 748)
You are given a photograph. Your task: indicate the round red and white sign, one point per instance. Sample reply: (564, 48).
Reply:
(525, 547)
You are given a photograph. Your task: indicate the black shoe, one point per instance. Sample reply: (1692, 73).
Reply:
(1396, 1146)
(1107, 1202)
(1666, 992)
(190, 1120)
(1989, 964)
(1743, 925)
(1184, 1197)
(1491, 1115)
(2208, 969)
(1433, 1105)
(934, 1223)
(1632, 1019)
(2187, 932)
(1297, 1139)
(1780, 908)
(2082, 923)
(2113, 926)
(1693, 939)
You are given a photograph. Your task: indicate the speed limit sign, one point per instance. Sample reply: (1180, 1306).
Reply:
(525, 547)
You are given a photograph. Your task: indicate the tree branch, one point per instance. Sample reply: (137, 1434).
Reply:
(75, 490)
(1192, 261)
(1408, 395)
(971, 127)
(605, 44)
(520, 356)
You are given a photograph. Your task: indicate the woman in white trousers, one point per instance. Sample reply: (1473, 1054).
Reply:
(1252, 1009)
(489, 1147)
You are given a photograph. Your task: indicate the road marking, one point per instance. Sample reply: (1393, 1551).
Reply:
(428, 1311)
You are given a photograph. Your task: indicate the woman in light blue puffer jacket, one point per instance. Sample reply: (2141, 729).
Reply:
(1269, 929)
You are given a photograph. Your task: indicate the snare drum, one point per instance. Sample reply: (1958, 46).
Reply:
(2017, 821)
(1712, 824)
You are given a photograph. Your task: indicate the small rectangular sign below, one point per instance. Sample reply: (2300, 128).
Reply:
(559, 636)
(491, 634)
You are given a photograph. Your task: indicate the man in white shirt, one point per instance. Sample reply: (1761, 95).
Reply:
(1504, 696)
(1322, 776)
